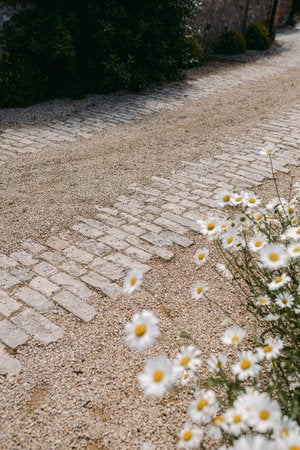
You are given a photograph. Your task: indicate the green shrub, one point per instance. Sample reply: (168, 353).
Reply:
(195, 53)
(231, 42)
(66, 48)
(257, 37)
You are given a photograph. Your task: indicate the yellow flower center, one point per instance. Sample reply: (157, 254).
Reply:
(294, 221)
(294, 447)
(187, 435)
(259, 217)
(200, 256)
(133, 281)
(252, 200)
(263, 301)
(264, 414)
(185, 360)
(140, 330)
(201, 404)
(278, 279)
(236, 419)
(298, 231)
(219, 365)
(284, 432)
(226, 198)
(158, 376)
(245, 364)
(218, 419)
(210, 226)
(267, 349)
(296, 250)
(274, 257)
(230, 240)
(199, 290)
(290, 210)
(258, 244)
(235, 339)
(269, 151)
(284, 300)
(185, 375)
(239, 199)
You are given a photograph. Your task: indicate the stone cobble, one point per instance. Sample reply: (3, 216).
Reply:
(97, 252)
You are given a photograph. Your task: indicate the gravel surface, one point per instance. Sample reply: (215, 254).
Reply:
(83, 391)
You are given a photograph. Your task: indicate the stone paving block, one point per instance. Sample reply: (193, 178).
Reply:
(8, 305)
(6, 262)
(115, 232)
(177, 239)
(71, 284)
(87, 230)
(174, 208)
(113, 242)
(138, 254)
(7, 280)
(11, 335)
(44, 286)
(72, 268)
(24, 258)
(33, 247)
(52, 258)
(133, 229)
(21, 273)
(78, 255)
(98, 282)
(170, 225)
(152, 249)
(34, 299)
(107, 269)
(127, 262)
(75, 305)
(45, 269)
(181, 220)
(95, 247)
(38, 326)
(9, 366)
(57, 243)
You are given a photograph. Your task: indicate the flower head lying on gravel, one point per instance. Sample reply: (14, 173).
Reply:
(141, 331)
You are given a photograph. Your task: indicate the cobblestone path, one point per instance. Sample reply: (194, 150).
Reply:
(110, 111)
(94, 255)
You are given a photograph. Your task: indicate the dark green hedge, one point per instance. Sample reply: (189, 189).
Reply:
(69, 48)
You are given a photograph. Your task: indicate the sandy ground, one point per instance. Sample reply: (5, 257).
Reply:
(83, 392)
(41, 193)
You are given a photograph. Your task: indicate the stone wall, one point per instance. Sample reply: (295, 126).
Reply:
(7, 11)
(285, 9)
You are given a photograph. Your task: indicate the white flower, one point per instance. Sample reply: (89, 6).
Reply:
(224, 198)
(264, 300)
(271, 317)
(285, 427)
(230, 239)
(184, 376)
(269, 149)
(214, 430)
(252, 443)
(222, 269)
(234, 422)
(132, 281)
(141, 331)
(290, 442)
(238, 199)
(157, 377)
(278, 281)
(264, 414)
(274, 256)
(258, 216)
(190, 437)
(242, 220)
(201, 256)
(204, 407)
(293, 233)
(294, 250)
(294, 381)
(246, 366)
(251, 200)
(271, 349)
(198, 290)
(188, 358)
(216, 362)
(284, 300)
(257, 242)
(209, 226)
(233, 336)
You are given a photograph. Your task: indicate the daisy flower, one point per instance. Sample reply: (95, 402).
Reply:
(264, 415)
(188, 358)
(285, 427)
(224, 198)
(230, 239)
(242, 220)
(278, 282)
(233, 336)
(246, 366)
(238, 199)
(293, 233)
(271, 317)
(198, 290)
(294, 381)
(264, 300)
(269, 149)
(141, 331)
(274, 256)
(201, 256)
(251, 200)
(234, 422)
(216, 362)
(290, 442)
(185, 376)
(258, 216)
(284, 300)
(214, 430)
(271, 349)
(204, 407)
(209, 226)
(294, 221)
(294, 250)
(252, 443)
(222, 269)
(157, 377)
(257, 242)
(190, 437)
(132, 281)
